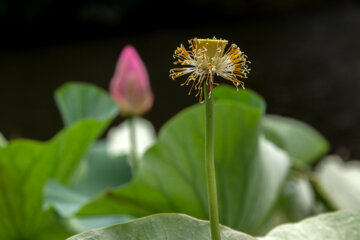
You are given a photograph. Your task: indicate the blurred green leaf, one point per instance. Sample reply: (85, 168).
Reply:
(99, 171)
(102, 171)
(25, 167)
(303, 143)
(172, 176)
(161, 226)
(81, 224)
(300, 196)
(247, 97)
(339, 182)
(295, 202)
(78, 101)
(63, 199)
(51, 232)
(3, 141)
(330, 226)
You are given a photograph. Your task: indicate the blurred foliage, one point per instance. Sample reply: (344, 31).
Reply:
(176, 160)
(71, 183)
(25, 168)
(306, 148)
(265, 164)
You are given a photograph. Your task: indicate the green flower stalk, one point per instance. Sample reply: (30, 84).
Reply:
(210, 165)
(130, 88)
(133, 150)
(205, 60)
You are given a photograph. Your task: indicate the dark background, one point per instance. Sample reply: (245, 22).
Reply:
(305, 56)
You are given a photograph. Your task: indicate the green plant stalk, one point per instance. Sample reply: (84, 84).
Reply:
(210, 165)
(134, 161)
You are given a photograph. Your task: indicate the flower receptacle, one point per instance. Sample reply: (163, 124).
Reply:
(214, 47)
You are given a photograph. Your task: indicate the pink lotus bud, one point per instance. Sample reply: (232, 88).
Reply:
(130, 86)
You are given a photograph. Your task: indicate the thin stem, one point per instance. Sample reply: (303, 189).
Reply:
(133, 147)
(210, 165)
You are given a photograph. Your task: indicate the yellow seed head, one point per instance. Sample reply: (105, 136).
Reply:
(214, 47)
